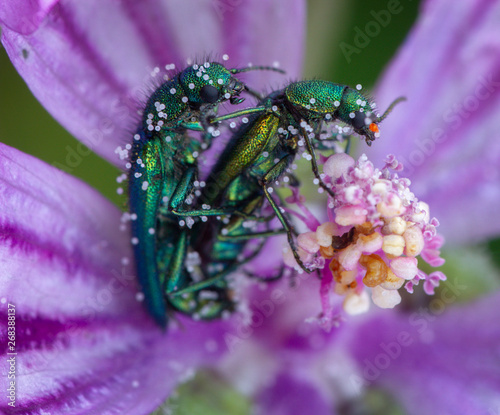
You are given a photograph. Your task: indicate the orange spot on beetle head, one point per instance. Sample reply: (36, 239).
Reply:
(373, 127)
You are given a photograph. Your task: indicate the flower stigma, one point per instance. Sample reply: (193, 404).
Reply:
(377, 230)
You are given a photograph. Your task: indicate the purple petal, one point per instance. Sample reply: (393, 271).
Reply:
(446, 133)
(24, 16)
(433, 363)
(264, 32)
(90, 63)
(282, 358)
(289, 396)
(83, 341)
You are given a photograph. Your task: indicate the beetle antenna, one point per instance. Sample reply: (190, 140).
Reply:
(257, 68)
(391, 107)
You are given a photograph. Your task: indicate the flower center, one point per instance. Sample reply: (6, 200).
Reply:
(377, 229)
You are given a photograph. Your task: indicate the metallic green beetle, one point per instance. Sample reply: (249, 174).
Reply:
(162, 170)
(260, 153)
(306, 106)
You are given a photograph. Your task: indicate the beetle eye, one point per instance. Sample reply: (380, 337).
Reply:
(358, 121)
(209, 94)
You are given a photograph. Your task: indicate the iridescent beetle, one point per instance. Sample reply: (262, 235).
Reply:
(260, 153)
(305, 107)
(163, 168)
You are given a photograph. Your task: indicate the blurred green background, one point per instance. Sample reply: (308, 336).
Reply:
(330, 23)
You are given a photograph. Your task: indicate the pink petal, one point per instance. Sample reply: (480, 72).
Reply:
(438, 360)
(56, 235)
(445, 133)
(24, 16)
(432, 281)
(290, 396)
(90, 63)
(83, 341)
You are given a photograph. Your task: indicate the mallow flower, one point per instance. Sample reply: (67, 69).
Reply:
(85, 344)
(437, 356)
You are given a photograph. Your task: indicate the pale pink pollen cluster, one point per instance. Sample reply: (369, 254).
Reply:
(376, 233)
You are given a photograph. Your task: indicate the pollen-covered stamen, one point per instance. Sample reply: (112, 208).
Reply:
(377, 232)
(376, 270)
